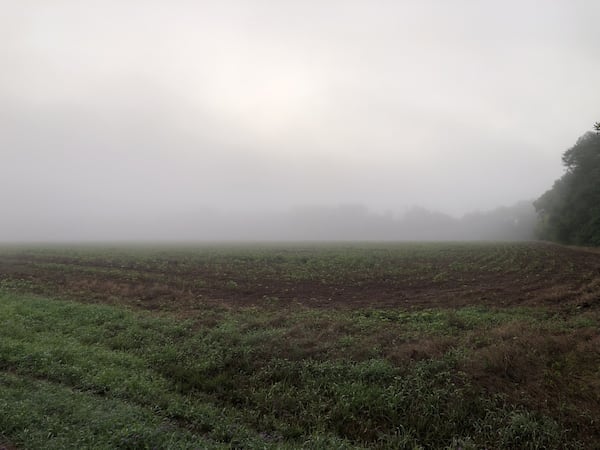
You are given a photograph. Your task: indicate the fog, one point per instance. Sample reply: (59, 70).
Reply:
(277, 120)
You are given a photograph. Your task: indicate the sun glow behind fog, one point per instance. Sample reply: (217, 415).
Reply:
(265, 99)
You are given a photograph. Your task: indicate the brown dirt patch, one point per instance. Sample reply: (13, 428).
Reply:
(521, 274)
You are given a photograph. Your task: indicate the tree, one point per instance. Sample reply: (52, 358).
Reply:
(597, 126)
(570, 211)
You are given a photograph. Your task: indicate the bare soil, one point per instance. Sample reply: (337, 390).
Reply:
(539, 274)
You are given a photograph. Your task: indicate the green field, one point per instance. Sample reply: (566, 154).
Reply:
(487, 345)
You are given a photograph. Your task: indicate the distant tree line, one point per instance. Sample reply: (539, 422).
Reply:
(309, 223)
(354, 222)
(570, 212)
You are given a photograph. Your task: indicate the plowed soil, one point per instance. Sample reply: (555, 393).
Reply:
(333, 276)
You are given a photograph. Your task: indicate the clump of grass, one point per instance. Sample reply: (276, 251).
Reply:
(39, 414)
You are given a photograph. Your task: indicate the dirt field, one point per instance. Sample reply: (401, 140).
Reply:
(338, 276)
(415, 345)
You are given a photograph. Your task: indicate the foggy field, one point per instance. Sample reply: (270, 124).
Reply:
(415, 345)
(300, 225)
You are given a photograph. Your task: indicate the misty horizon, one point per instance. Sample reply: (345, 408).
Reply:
(143, 118)
(349, 222)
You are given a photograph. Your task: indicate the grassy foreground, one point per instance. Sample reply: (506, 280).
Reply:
(91, 376)
(500, 348)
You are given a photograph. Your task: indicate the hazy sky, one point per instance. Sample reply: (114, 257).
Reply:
(113, 108)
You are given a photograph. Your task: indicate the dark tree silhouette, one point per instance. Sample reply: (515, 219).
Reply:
(570, 211)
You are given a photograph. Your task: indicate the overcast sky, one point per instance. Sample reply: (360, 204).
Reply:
(116, 108)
